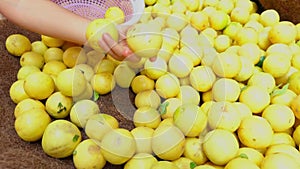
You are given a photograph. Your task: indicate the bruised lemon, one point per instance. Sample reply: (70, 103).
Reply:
(17, 44)
(27, 104)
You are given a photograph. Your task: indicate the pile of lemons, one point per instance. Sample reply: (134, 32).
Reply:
(223, 91)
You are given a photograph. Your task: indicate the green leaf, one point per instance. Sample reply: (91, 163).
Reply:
(243, 155)
(61, 108)
(193, 165)
(96, 96)
(75, 138)
(279, 91)
(261, 61)
(163, 108)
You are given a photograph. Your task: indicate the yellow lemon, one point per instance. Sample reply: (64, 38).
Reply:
(239, 14)
(71, 82)
(33, 88)
(232, 29)
(38, 47)
(24, 71)
(88, 155)
(226, 6)
(263, 38)
(222, 42)
(280, 117)
(52, 41)
(31, 124)
(284, 97)
(17, 44)
(167, 86)
(17, 92)
(95, 30)
(54, 67)
(150, 2)
(177, 21)
(246, 35)
(189, 95)
(199, 20)
(147, 117)
(104, 65)
(243, 110)
(240, 162)
(27, 104)
(193, 150)
(142, 83)
(248, 135)
(60, 138)
(284, 149)
(88, 93)
(32, 58)
(115, 14)
(277, 65)
(193, 116)
(82, 110)
(99, 124)
(168, 107)
(294, 105)
(283, 32)
(218, 20)
(282, 138)
(246, 70)
(124, 75)
(276, 161)
(168, 142)
(225, 89)
(179, 6)
(251, 154)
(262, 79)
(250, 51)
(73, 56)
(255, 25)
(164, 164)
(155, 69)
(183, 162)
(269, 17)
(224, 115)
(53, 54)
(103, 83)
(87, 71)
(58, 105)
(220, 146)
(148, 98)
(202, 72)
(118, 146)
(255, 97)
(227, 65)
(143, 136)
(141, 160)
(280, 48)
(294, 81)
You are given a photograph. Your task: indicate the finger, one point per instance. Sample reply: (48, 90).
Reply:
(107, 49)
(152, 59)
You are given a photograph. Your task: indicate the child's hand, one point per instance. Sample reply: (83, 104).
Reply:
(118, 50)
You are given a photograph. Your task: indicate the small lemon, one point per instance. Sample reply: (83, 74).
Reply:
(280, 48)
(199, 20)
(17, 44)
(240, 162)
(222, 42)
(115, 14)
(155, 69)
(284, 149)
(226, 6)
(53, 54)
(99, 124)
(232, 29)
(32, 58)
(225, 89)
(27, 104)
(88, 155)
(24, 71)
(54, 67)
(52, 41)
(250, 51)
(283, 32)
(148, 98)
(168, 107)
(246, 70)
(202, 72)
(183, 162)
(147, 117)
(251, 154)
(31, 124)
(262, 79)
(284, 97)
(240, 15)
(255, 97)
(255, 25)
(141, 83)
(227, 65)
(263, 38)
(38, 47)
(188, 95)
(88, 93)
(60, 138)
(167, 86)
(82, 110)
(143, 136)
(87, 71)
(17, 92)
(71, 82)
(218, 20)
(33, 87)
(269, 17)
(276, 161)
(73, 56)
(118, 146)
(243, 110)
(104, 65)
(58, 105)
(220, 146)
(141, 160)
(246, 35)
(103, 83)
(177, 21)
(282, 138)
(124, 75)
(193, 150)
(248, 135)
(168, 142)
(277, 65)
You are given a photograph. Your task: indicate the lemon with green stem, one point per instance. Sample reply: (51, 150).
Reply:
(58, 105)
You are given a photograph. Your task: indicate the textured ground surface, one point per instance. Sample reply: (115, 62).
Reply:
(16, 153)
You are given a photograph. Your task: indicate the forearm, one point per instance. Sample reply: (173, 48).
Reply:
(45, 17)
